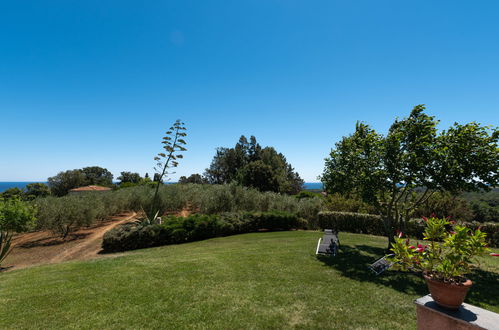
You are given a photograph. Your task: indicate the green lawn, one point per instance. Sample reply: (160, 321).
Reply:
(259, 280)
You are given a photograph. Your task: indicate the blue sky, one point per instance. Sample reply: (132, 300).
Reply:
(87, 83)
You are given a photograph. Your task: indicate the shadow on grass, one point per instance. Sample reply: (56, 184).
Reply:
(354, 261)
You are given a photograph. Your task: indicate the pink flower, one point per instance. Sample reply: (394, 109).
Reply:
(412, 247)
(433, 215)
(399, 233)
(419, 250)
(425, 219)
(494, 254)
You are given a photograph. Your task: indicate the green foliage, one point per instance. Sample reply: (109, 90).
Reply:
(173, 144)
(196, 227)
(193, 178)
(444, 204)
(34, 190)
(341, 203)
(448, 255)
(12, 193)
(66, 214)
(65, 181)
(63, 215)
(129, 177)
(360, 223)
(484, 212)
(307, 194)
(251, 166)
(384, 171)
(258, 175)
(95, 175)
(16, 216)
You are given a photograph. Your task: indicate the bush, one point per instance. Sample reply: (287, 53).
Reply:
(196, 227)
(340, 203)
(361, 223)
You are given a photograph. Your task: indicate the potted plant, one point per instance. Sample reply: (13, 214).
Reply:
(449, 254)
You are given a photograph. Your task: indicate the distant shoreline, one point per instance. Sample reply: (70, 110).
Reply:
(21, 184)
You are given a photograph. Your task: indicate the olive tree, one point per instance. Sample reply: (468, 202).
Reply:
(398, 172)
(15, 216)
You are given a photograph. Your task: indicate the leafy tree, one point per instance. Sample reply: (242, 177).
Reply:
(258, 175)
(384, 171)
(236, 165)
(173, 144)
(65, 181)
(11, 193)
(129, 177)
(16, 216)
(37, 189)
(95, 175)
(193, 178)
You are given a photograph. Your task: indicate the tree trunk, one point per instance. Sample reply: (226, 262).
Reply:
(389, 230)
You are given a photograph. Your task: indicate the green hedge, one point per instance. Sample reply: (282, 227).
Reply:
(373, 224)
(196, 227)
(360, 223)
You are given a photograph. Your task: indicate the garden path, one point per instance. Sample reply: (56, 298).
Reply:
(43, 247)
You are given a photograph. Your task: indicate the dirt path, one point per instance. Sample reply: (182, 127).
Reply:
(90, 246)
(44, 247)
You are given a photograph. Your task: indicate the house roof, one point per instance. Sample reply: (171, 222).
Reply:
(91, 188)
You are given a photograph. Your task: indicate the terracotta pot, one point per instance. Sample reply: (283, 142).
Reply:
(448, 295)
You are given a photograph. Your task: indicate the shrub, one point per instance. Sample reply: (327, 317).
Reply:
(361, 223)
(196, 227)
(340, 203)
(66, 214)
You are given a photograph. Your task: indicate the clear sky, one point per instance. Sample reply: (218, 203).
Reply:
(86, 83)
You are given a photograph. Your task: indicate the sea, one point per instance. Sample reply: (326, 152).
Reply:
(6, 185)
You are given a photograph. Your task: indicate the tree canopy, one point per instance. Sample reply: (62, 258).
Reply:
(193, 178)
(36, 189)
(397, 172)
(61, 183)
(251, 165)
(129, 177)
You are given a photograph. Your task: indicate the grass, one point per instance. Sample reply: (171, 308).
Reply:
(259, 280)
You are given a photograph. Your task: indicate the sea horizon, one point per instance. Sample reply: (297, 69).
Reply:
(4, 185)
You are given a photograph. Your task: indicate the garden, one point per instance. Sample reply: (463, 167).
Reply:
(240, 241)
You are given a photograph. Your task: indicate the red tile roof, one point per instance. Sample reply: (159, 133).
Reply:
(91, 188)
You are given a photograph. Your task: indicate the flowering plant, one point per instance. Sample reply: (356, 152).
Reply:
(449, 253)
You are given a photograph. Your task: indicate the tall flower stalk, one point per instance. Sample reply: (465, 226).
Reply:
(173, 144)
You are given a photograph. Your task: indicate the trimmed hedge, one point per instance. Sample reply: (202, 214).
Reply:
(196, 227)
(373, 224)
(360, 223)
